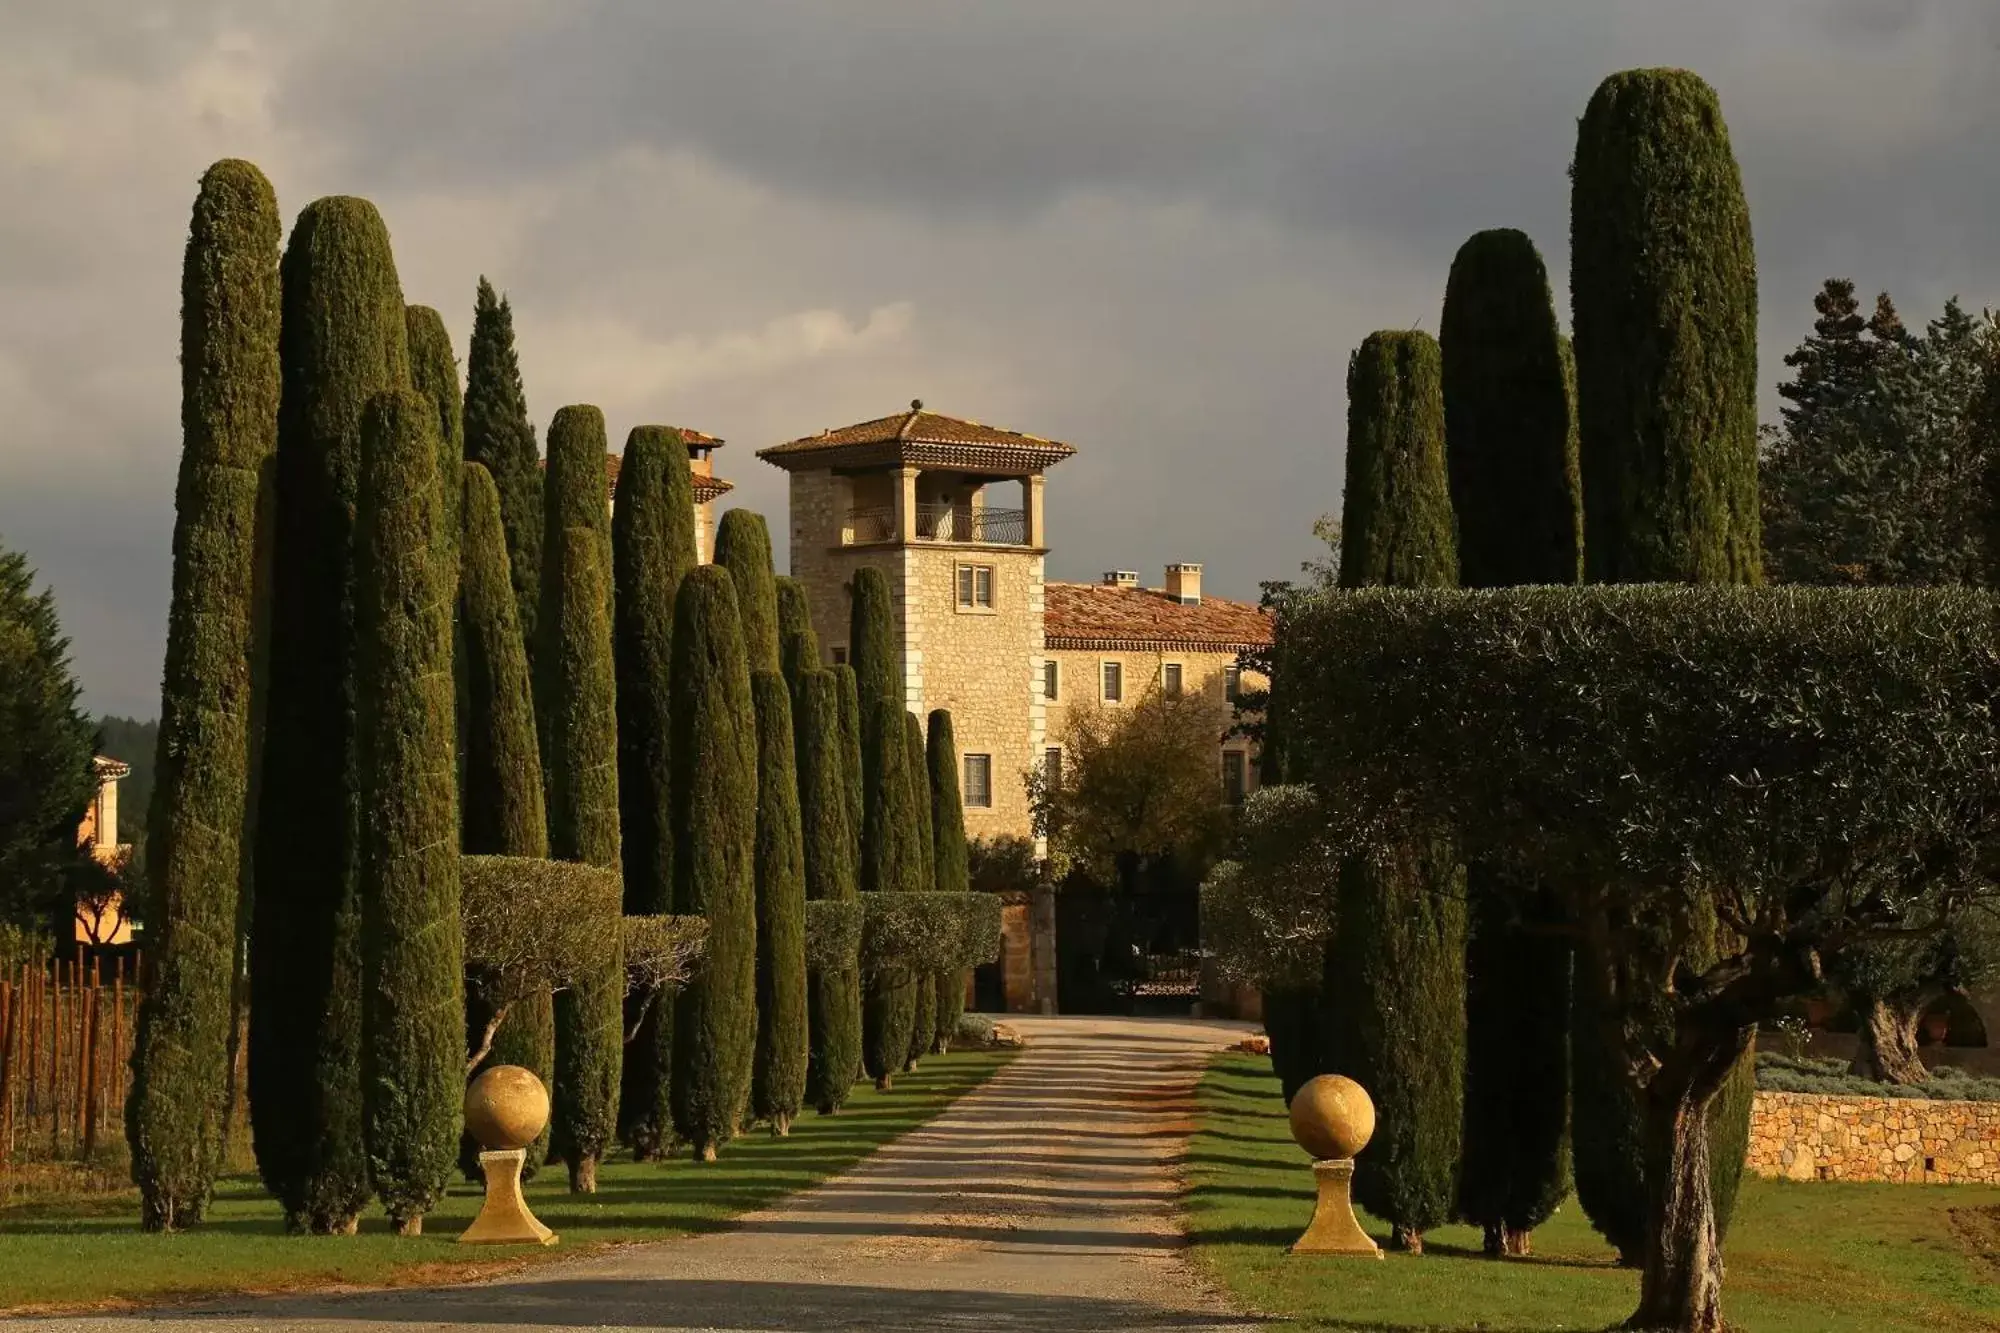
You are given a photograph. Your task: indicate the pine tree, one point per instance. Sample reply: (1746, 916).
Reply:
(576, 713)
(1664, 285)
(832, 863)
(413, 969)
(778, 1076)
(798, 645)
(434, 374)
(714, 749)
(923, 1027)
(743, 547)
(502, 812)
(1510, 445)
(341, 340)
(1396, 968)
(196, 829)
(950, 872)
(653, 548)
(499, 434)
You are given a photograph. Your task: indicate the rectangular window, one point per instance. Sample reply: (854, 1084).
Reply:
(1051, 680)
(1052, 766)
(1235, 775)
(840, 654)
(979, 781)
(1232, 683)
(1170, 680)
(1114, 682)
(975, 587)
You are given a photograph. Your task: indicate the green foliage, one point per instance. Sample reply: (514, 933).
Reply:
(1878, 474)
(413, 994)
(1395, 977)
(1663, 281)
(928, 932)
(798, 645)
(714, 749)
(434, 374)
(1830, 1078)
(888, 865)
(137, 743)
(743, 547)
(503, 812)
(871, 638)
(923, 1026)
(652, 549)
(1003, 863)
(832, 864)
(846, 683)
(1396, 519)
(576, 709)
(1510, 423)
(949, 859)
(499, 434)
(778, 1075)
(196, 830)
(1824, 755)
(342, 339)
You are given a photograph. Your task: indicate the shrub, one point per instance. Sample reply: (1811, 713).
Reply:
(778, 1077)
(798, 646)
(434, 375)
(196, 829)
(341, 340)
(832, 857)
(923, 1023)
(743, 547)
(951, 871)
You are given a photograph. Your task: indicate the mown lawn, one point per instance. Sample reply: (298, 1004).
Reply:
(1802, 1258)
(86, 1251)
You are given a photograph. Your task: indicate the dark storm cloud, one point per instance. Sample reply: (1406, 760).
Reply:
(1153, 228)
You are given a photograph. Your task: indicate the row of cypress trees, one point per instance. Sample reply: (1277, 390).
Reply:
(465, 654)
(1502, 457)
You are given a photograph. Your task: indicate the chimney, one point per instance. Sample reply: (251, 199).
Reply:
(1184, 583)
(1121, 578)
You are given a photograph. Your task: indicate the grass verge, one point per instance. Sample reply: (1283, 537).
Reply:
(1802, 1258)
(86, 1251)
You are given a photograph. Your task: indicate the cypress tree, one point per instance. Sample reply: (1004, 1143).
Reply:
(714, 749)
(413, 969)
(871, 638)
(341, 340)
(743, 547)
(847, 688)
(576, 710)
(499, 434)
(653, 548)
(1510, 446)
(1663, 282)
(923, 1026)
(832, 856)
(950, 870)
(502, 813)
(778, 1075)
(197, 826)
(887, 866)
(1664, 287)
(434, 374)
(1396, 967)
(798, 645)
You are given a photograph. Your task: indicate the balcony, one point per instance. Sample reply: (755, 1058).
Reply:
(941, 523)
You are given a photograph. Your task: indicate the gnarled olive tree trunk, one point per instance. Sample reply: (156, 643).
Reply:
(1887, 1050)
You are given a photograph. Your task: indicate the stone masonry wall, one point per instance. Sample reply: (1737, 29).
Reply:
(1802, 1136)
(1079, 683)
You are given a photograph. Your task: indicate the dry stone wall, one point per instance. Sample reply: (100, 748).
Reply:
(1803, 1136)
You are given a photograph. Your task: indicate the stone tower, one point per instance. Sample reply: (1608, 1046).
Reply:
(951, 512)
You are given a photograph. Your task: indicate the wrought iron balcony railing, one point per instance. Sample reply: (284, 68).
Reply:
(941, 523)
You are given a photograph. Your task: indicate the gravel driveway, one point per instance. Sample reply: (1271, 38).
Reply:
(1042, 1201)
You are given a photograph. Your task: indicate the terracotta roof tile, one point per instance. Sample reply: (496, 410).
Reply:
(1080, 615)
(918, 425)
(705, 487)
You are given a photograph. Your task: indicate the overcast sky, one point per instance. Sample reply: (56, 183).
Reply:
(1152, 228)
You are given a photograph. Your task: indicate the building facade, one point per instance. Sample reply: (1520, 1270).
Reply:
(708, 488)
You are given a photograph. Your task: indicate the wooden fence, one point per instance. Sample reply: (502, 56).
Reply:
(65, 1042)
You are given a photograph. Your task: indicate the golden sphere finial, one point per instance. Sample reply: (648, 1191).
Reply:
(506, 1108)
(1332, 1117)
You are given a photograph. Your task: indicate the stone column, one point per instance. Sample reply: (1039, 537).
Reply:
(1031, 501)
(906, 504)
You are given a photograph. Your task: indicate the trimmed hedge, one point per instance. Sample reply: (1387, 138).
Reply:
(1396, 519)
(1663, 282)
(198, 829)
(341, 340)
(413, 971)
(715, 823)
(798, 645)
(833, 941)
(743, 547)
(434, 374)
(928, 932)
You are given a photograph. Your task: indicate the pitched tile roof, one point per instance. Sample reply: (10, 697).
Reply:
(1100, 615)
(705, 487)
(919, 425)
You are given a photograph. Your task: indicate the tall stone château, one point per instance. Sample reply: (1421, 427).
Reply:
(951, 511)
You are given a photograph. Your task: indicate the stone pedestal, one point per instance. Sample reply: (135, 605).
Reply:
(1333, 1229)
(504, 1218)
